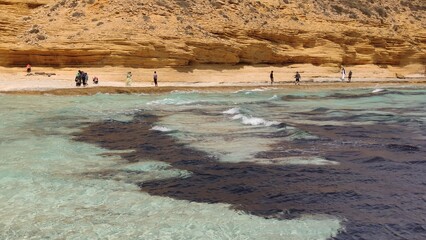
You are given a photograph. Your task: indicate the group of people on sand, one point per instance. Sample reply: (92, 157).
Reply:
(129, 79)
(82, 78)
(344, 75)
(297, 76)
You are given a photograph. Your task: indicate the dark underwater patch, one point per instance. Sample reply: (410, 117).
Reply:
(403, 147)
(372, 187)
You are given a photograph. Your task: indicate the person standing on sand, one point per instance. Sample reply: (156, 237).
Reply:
(271, 76)
(343, 74)
(78, 78)
(297, 77)
(85, 79)
(129, 79)
(28, 68)
(155, 78)
(350, 76)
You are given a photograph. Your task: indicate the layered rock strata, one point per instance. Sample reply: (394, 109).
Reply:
(157, 33)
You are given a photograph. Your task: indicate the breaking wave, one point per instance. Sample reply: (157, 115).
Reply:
(232, 111)
(161, 129)
(254, 121)
(249, 120)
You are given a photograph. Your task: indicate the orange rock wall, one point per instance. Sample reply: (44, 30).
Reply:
(155, 33)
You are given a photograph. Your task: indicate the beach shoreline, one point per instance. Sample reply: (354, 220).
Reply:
(60, 81)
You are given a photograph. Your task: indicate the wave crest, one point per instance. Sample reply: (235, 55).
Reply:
(161, 129)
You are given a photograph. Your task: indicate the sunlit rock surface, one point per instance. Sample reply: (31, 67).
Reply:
(156, 33)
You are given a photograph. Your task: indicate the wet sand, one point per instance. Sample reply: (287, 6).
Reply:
(214, 88)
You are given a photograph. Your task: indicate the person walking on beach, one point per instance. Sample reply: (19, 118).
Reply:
(28, 68)
(155, 78)
(129, 79)
(271, 76)
(350, 76)
(297, 77)
(343, 74)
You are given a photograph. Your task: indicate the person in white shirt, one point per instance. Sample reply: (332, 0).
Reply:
(129, 79)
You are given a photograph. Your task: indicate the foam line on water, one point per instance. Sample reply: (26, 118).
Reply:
(377, 90)
(161, 129)
(170, 101)
(333, 123)
(250, 91)
(232, 111)
(185, 92)
(248, 120)
(299, 160)
(254, 121)
(275, 97)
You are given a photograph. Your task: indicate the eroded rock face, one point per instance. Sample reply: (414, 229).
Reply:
(155, 33)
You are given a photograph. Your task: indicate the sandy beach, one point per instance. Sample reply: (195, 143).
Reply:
(44, 80)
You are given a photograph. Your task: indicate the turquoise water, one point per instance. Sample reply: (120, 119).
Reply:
(50, 189)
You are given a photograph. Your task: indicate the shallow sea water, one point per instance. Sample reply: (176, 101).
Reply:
(259, 164)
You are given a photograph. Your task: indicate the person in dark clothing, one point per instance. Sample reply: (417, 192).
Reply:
(271, 76)
(95, 80)
(155, 78)
(297, 77)
(78, 78)
(85, 78)
(350, 76)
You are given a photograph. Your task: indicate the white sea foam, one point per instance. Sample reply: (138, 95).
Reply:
(275, 97)
(170, 101)
(299, 160)
(258, 121)
(185, 92)
(161, 129)
(237, 116)
(377, 90)
(254, 90)
(333, 123)
(232, 111)
(258, 90)
(248, 120)
(245, 91)
(254, 121)
(178, 102)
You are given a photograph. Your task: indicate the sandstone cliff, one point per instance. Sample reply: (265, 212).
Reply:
(153, 33)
